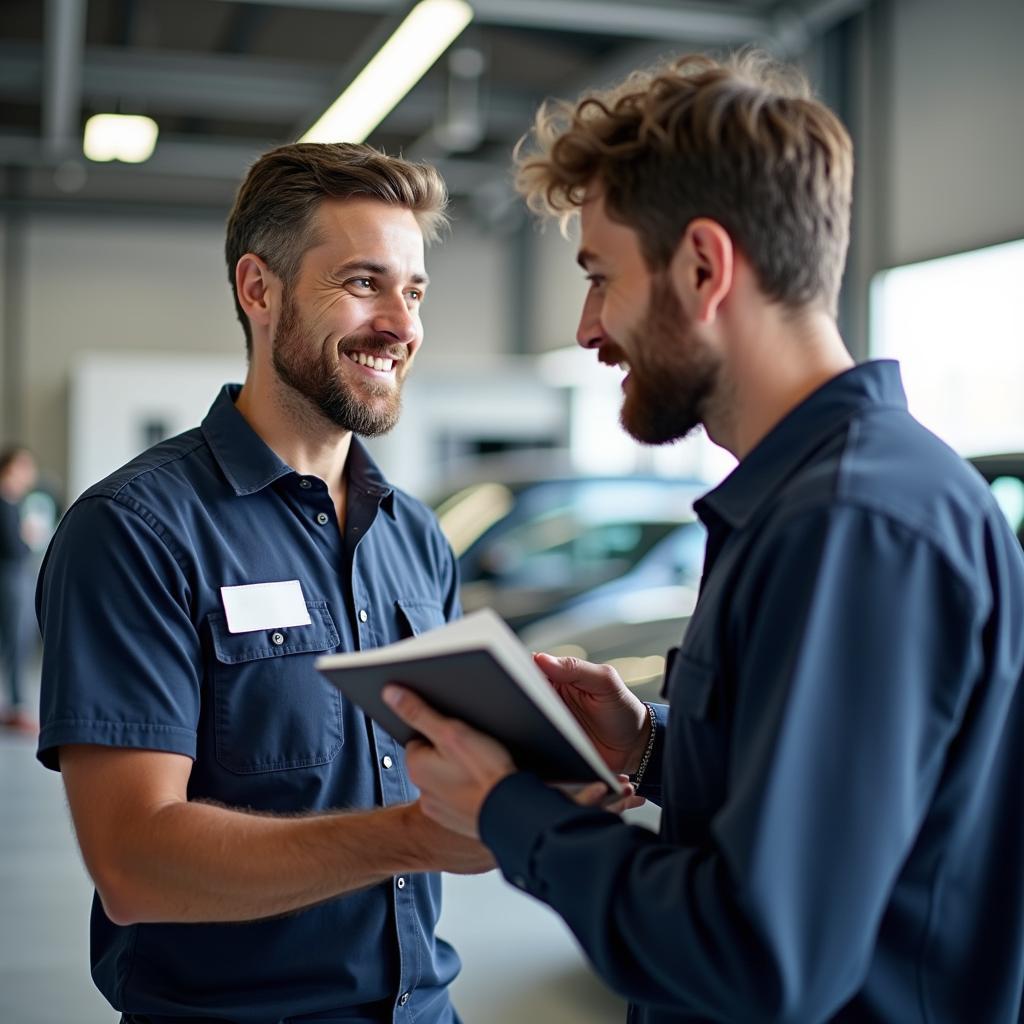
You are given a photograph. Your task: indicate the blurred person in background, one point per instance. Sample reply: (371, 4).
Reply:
(840, 765)
(257, 848)
(18, 474)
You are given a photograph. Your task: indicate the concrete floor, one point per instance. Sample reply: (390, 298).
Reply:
(520, 962)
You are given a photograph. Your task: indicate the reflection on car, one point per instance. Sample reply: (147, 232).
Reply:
(602, 567)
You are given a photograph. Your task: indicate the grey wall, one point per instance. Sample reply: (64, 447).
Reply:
(956, 145)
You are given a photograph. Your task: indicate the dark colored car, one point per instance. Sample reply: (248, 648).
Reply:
(530, 545)
(1005, 476)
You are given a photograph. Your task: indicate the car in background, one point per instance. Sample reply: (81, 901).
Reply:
(1005, 476)
(530, 544)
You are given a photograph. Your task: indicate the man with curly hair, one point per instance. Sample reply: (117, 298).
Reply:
(840, 763)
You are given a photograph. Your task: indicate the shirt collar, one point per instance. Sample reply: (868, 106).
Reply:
(249, 464)
(364, 474)
(788, 445)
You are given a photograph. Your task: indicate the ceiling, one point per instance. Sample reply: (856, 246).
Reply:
(226, 80)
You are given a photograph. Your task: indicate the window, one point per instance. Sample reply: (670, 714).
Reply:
(957, 327)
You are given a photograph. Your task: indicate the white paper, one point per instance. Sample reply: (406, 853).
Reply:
(264, 606)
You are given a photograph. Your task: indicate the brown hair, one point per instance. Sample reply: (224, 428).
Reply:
(275, 206)
(741, 142)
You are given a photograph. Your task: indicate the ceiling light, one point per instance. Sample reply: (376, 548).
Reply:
(125, 137)
(401, 62)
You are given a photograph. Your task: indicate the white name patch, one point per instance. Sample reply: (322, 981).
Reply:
(264, 606)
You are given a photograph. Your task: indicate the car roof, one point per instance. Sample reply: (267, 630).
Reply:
(519, 470)
(1005, 464)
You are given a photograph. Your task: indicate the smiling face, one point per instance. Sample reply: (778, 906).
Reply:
(349, 325)
(634, 319)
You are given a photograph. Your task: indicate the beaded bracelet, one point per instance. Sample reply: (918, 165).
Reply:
(638, 776)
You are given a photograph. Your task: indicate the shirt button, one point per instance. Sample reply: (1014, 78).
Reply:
(362, 615)
(323, 518)
(403, 999)
(400, 882)
(305, 483)
(278, 638)
(386, 761)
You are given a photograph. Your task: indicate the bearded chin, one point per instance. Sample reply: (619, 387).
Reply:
(663, 423)
(299, 364)
(344, 410)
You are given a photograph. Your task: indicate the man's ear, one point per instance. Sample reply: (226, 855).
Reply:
(702, 268)
(253, 285)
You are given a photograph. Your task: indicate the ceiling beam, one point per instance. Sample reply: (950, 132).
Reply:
(648, 19)
(675, 22)
(64, 44)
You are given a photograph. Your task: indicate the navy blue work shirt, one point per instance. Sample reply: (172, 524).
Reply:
(137, 653)
(841, 770)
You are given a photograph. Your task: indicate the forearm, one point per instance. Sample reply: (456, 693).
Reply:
(659, 922)
(191, 861)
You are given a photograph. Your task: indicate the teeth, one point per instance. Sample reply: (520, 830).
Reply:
(624, 365)
(373, 362)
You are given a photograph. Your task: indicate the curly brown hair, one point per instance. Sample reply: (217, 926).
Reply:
(273, 212)
(740, 141)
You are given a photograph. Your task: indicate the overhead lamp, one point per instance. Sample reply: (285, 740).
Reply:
(126, 137)
(427, 31)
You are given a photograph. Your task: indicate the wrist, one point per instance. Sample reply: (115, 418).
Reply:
(642, 752)
(409, 840)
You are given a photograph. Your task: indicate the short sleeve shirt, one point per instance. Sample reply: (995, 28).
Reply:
(139, 653)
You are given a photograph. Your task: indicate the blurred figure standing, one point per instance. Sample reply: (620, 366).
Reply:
(18, 475)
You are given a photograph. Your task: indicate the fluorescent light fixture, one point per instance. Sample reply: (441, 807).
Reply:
(125, 137)
(427, 31)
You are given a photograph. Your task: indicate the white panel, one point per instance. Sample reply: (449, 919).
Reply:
(115, 395)
(957, 327)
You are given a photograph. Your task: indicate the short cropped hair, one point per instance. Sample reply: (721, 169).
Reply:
(274, 210)
(740, 141)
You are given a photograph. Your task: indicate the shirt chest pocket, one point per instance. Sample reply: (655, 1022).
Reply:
(272, 710)
(418, 615)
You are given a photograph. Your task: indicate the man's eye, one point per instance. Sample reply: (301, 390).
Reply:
(361, 282)
(415, 294)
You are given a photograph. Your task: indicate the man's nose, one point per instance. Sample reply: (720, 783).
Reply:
(394, 317)
(590, 333)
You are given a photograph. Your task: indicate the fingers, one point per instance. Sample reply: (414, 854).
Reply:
(413, 711)
(583, 674)
(625, 804)
(597, 795)
(592, 795)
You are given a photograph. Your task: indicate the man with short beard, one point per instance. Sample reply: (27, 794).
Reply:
(840, 765)
(257, 849)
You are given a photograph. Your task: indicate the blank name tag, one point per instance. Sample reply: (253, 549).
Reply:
(264, 606)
